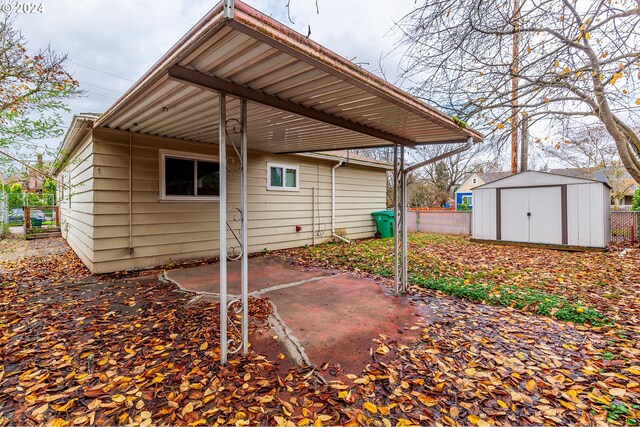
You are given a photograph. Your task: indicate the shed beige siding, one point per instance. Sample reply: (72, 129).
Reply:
(165, 231)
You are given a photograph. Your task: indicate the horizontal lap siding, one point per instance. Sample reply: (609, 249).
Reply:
(76, 219)
(359, 192)
(166, 231)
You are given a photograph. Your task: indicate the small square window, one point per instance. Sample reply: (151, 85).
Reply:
(474, 180)
(282, 177)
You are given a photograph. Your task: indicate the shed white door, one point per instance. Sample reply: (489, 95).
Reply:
(514, 205)
(531, 215)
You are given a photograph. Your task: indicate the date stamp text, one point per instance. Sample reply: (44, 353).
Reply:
(22, 8)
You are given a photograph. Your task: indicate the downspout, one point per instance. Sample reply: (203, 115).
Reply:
(458, 150)
(333, 202)
(130, 249)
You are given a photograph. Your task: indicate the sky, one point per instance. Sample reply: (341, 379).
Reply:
(111, 43)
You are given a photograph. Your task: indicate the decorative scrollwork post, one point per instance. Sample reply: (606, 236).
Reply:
(237, 162)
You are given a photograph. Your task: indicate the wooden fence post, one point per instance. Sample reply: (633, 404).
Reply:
(27, 217)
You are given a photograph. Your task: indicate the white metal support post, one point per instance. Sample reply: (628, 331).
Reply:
(244, 276)
(403, 215)
(222, 141)
(396, 276)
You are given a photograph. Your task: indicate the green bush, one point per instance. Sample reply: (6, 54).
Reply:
(464, 206)
(635, 202)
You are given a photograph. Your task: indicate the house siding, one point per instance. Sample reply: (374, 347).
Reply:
(469, 185)
(165, 231)
(76, 200)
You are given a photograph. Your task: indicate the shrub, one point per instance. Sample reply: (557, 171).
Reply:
(635, 203)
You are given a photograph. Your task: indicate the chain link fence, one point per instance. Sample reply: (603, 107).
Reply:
(41, 208)
(625, 226)
(439, 222)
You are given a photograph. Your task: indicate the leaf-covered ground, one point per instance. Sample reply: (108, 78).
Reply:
(606, 282)
(129, 352)
(126, 350)
(479, 364)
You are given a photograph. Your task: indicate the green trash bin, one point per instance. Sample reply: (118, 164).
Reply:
(384, 223)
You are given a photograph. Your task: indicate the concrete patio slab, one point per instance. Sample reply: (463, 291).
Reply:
(335, 319)
(327, 317)
(264, 272)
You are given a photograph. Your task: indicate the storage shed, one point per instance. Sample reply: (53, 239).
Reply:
(543, 208)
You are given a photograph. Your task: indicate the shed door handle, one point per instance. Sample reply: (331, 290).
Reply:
(529, 214)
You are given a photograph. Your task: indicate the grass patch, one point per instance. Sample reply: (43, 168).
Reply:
(616, 411)
(522, 298)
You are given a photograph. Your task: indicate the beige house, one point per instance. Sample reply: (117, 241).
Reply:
(224, 147)
(214, 150)
(160, 216)
(464, 193)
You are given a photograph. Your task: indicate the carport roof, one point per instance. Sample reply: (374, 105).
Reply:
(302, 97)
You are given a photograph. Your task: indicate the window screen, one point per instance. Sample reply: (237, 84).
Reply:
(290, 180)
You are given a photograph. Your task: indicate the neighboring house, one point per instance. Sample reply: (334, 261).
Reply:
(35, 179)
(174, 214)
(621, 183)
(464, 193)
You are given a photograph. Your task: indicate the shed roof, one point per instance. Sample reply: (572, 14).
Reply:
(536, 178)
(302, 97)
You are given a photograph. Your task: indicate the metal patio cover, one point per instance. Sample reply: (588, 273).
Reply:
(302, 97)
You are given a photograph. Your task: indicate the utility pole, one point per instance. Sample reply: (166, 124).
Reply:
(524, 144)
(514, 86)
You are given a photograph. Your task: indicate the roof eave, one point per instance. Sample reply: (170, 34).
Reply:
(255, 24)
(211, 22)
(70, 139)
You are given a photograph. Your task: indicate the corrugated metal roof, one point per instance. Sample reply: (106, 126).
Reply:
(256, 53)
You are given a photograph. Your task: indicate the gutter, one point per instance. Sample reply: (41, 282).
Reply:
(333, 202)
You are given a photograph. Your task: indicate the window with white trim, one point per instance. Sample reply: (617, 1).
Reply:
(185, 176)
(474, 180)
(467, 200)
(283, 177)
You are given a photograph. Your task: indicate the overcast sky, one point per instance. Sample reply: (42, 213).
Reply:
(111, 43)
